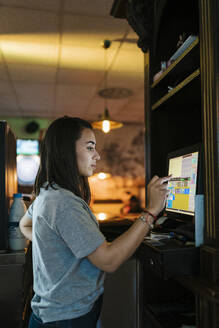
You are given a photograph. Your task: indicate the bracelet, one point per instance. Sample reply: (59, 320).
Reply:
(154, 216)
(144, 219)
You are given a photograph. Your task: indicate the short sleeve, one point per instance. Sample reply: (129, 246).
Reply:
(79, 230)
(30, 210)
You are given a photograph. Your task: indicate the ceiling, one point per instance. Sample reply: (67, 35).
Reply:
(52, 60)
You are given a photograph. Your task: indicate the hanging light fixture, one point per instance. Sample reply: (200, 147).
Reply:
(105, 123)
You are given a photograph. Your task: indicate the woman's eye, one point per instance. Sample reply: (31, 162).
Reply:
(90, 148)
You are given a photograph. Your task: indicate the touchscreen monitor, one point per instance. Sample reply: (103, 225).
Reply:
(184, 167)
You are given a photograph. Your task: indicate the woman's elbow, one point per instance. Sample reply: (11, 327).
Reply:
(110, 268)
(103, 260)
(21, 226)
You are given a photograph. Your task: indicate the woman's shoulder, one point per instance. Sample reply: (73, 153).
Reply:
(60, 195)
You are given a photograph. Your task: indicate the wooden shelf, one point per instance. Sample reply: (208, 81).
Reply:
(176, 62)
(166, 318)
(200, 286)
(180, 86)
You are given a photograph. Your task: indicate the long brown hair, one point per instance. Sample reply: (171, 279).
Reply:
(58, 157)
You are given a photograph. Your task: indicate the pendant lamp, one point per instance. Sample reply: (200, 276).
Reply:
(105, 123)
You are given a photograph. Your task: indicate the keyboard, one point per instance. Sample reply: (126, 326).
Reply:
(187, 230)
(167, 225)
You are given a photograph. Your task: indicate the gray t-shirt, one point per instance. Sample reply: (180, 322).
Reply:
(65, 232)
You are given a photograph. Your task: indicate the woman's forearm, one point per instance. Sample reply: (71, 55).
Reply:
(27, 232)
(126, 244)
(109, 256)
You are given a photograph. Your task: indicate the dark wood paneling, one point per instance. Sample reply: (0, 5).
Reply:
(158, 24)
(209, 59)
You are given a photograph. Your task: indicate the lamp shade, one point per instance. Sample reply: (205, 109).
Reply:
(105, 123)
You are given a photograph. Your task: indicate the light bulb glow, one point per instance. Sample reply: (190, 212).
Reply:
(106, 126)
(102, 175)
(27, 168)
(101, 216)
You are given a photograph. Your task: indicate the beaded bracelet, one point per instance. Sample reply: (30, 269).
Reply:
(144, 219)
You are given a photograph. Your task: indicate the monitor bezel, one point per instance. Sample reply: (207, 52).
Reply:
(199, 184)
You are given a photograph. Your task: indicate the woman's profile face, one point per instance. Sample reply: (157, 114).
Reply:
(86, 153)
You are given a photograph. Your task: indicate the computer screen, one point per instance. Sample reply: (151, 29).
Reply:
(184, 166)
(27, 147)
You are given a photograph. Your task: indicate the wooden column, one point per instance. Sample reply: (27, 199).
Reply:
(208, 303)
(209, 61)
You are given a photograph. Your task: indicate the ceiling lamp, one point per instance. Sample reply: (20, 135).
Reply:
(105, 123)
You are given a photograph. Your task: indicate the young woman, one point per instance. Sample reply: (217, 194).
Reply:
(70, 254)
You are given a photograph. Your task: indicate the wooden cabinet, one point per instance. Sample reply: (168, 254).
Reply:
(11, 288)
(181, 109)
(122, 294)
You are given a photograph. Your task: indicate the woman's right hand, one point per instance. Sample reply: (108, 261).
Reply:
(157, 194)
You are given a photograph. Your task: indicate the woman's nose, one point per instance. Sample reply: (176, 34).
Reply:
(97, 156)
